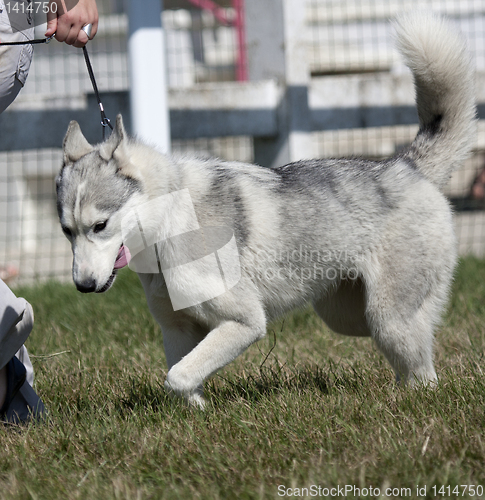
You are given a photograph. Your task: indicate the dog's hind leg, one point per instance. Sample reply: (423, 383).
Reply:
(403, 309)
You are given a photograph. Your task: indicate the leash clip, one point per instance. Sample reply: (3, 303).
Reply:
(105, 123)
(47, 40)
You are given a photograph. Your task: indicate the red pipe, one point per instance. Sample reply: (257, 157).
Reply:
(241, 62)
(220, 14)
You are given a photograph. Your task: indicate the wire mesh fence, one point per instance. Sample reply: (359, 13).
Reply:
(352, 37)
(345, 38)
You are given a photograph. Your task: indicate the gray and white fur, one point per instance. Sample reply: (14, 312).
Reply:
(369, 243)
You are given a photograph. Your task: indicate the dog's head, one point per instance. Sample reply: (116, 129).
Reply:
(96, 186)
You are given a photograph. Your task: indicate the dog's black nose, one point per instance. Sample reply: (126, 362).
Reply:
(86, 286)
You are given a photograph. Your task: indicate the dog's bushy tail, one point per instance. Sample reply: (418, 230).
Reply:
(443, 73)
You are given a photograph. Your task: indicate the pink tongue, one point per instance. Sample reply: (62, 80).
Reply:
(123, 258)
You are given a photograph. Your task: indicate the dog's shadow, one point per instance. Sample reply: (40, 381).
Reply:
(267, 383)
(278, 380)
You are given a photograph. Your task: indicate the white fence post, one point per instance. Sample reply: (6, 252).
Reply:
(147, 69)
(276, 44)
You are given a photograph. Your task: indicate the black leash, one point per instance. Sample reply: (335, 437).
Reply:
(30, 42)
(104, 119)
(105, 122)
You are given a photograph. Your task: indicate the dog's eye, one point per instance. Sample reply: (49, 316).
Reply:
(66, 231)
(100, 226)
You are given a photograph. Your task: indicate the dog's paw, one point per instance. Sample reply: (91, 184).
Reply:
(194, 398)
(428, 380)
(197, 400)
(424, 378)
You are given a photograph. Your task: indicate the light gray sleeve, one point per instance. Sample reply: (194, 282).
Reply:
(11, 308)
(14, 60)
(16, 322)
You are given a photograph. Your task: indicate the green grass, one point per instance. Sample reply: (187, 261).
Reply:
(303, 407)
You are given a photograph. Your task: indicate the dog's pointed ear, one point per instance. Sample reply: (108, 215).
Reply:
(115, 140)
(116, 148)
(75, 145)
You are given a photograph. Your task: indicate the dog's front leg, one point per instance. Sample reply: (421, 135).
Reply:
(221, 346)
(178, 342)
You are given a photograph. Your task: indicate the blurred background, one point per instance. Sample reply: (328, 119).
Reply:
(270, 82)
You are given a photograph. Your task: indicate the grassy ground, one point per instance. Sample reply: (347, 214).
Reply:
(319, 410)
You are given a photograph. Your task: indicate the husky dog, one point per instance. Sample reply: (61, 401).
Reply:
(369, 243)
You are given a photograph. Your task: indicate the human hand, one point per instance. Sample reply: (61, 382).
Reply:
(66, 19)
